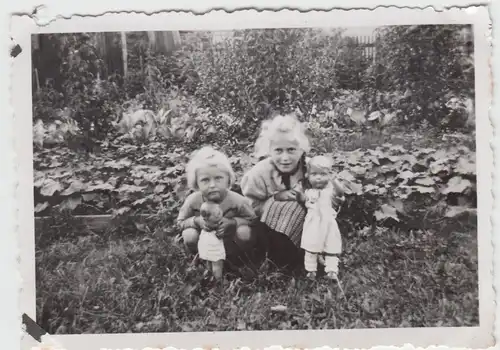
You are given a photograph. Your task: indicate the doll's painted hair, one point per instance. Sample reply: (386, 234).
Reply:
(208, 157)
(320, 162)
(281, 124)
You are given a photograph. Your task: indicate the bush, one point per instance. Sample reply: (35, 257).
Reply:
(87, 90)
(429, 65)
(47, 101)
(258, 72)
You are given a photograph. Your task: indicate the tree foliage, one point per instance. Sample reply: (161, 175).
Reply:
(431, 64)
(257, 72)
(421, 74)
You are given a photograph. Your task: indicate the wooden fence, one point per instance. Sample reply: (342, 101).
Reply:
(113, 48)
(368, 44)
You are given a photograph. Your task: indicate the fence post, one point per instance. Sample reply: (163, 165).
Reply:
(163, 42)
(124, 53)
(110, 52)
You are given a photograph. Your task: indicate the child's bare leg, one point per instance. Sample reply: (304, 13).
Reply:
(190, 237)
(311, 264)
(217, 269)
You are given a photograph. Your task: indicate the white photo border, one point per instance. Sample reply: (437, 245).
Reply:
(475, 337)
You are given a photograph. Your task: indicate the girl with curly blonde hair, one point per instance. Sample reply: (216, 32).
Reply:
(275, 187)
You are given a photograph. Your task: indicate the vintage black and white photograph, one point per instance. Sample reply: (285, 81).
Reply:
(256, 179)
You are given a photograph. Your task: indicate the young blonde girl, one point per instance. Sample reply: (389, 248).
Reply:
(210, 174)
(275, 187)
(321, 233)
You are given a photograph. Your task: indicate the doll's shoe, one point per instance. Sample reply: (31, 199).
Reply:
(311, 275)
(332, 275)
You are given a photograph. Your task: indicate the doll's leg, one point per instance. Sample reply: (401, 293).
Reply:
(217, 269)
(332, 266)
(311, 263)
(334, 248)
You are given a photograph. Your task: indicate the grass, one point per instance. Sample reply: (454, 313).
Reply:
(111, 283)
(423, 274)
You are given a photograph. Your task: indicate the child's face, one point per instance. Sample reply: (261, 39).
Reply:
(213, 183)
(212, 214)
(285, 153)
(318, 177)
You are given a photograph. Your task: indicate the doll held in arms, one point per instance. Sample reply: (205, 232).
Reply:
(321, 234)
(210, 245)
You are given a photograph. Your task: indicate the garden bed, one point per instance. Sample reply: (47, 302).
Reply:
(387, 182)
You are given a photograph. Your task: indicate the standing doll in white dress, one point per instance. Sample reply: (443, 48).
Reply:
(321, 234)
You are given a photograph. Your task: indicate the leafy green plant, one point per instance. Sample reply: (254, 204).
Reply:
(257, 72)
(387, 184)
(427, 63)
(57, 131)
(47, 101)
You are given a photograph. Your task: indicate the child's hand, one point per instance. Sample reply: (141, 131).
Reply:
(340, 187)
(300, 196)
(225, 226)
(286, 195)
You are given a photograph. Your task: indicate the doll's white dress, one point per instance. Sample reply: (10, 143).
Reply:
(210, 247)
(321, 232)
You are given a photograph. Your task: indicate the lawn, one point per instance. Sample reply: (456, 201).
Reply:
(109, 283)
(414, 267)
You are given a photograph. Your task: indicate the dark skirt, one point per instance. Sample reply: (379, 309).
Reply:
(268, 244)
(277, 247)
(276, 237)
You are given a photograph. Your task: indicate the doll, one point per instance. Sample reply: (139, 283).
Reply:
(210, 247)
(321, 234)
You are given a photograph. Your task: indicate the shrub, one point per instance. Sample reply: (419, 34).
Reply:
(256, 73)
(47, 101)
(427, 63)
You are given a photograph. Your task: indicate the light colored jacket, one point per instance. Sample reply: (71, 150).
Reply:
(263, 181)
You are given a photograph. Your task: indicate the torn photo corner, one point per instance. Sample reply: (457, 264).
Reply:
(109, 110)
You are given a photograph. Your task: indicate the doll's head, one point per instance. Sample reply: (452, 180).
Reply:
(211, 213)
(319, 170)
(283, 139)
(210, 172)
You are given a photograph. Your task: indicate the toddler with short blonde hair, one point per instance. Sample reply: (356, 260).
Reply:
(213, 213)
